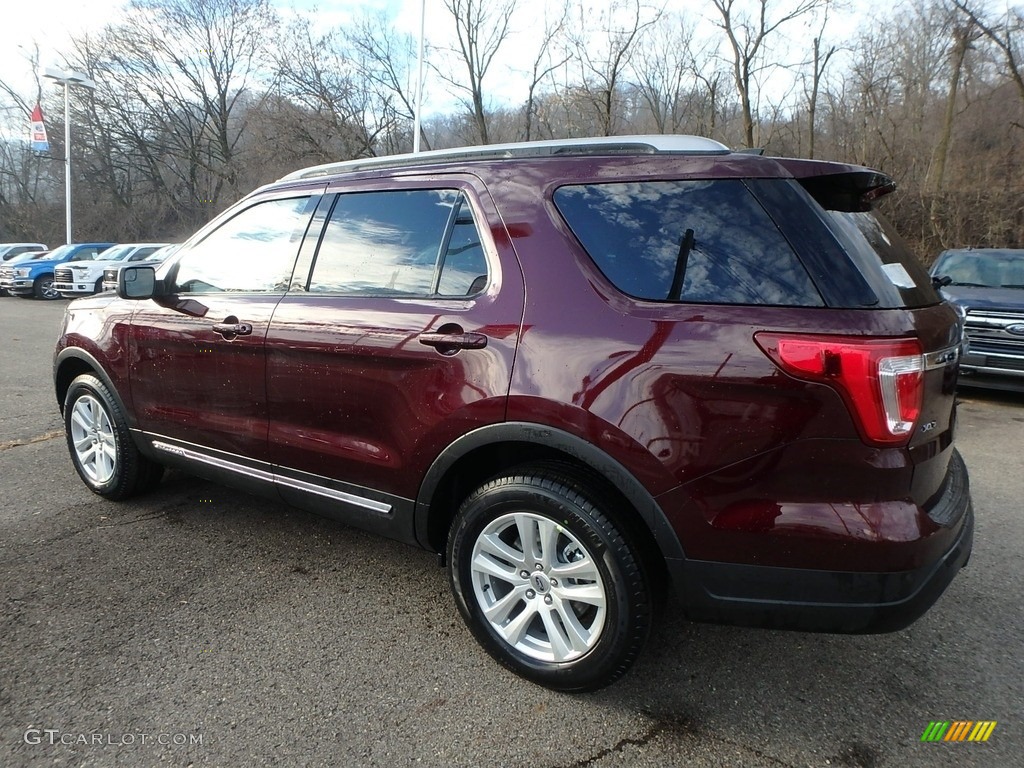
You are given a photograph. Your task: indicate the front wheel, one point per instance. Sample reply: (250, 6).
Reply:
(100, 444)
(547, 583)
(43, 288)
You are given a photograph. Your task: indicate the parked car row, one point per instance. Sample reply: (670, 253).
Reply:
(154, 259)
(9, 251)
(85, 277)
(29, 270)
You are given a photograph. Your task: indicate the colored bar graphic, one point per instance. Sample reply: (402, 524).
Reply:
(982, 731)
(958, 730)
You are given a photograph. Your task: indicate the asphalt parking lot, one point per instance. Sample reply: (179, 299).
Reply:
(201, 626)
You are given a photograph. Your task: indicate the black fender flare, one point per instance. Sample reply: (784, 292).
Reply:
(77, 353)
(566, 442)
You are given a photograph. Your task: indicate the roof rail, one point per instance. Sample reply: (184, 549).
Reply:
(603, 145)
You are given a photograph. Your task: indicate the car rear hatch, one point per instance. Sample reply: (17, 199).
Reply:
(880, 274)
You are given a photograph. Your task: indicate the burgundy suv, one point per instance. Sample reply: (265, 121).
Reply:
(581, 371)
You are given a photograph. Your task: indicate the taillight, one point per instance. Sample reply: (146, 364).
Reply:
(881, 380)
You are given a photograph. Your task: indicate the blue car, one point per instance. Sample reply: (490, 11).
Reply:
(33, 276)
(988, 284)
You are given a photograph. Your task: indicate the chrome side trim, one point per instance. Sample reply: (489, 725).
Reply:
(187, 453)
(942, 358)
(374, 506)
(348, 498)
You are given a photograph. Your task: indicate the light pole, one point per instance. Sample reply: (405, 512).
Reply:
(68, 78)
(419, 81)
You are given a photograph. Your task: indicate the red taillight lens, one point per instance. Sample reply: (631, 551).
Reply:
(881, 380)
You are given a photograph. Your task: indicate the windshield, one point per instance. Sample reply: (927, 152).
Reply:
(58, 253)
(117, 253)
(982, 268)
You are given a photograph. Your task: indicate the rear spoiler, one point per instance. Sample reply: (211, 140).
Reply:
(839, 187)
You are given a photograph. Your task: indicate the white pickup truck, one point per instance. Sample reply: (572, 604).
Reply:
(83, 278)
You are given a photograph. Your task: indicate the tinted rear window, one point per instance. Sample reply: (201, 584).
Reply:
(884, 259)
(633, 232)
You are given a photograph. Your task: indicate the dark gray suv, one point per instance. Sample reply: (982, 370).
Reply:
(988, 285)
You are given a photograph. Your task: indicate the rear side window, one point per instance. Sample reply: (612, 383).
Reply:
(143, 253)
(415, 243)
(884, 259)
(635, 234)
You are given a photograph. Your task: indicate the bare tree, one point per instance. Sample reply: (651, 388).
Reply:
(1005, 34)
(329, 110)
(663, 72)
(546, 61)
(25, 176)
(748, 35)
(819, 62)
(964, 33)
(604, 48)
(481, 28)
(386, 65)
(174, 79)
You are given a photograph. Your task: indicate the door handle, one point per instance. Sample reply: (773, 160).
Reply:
(450, 343)
(233, 329)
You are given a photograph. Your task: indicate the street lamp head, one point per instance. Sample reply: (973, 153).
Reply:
(69, 77)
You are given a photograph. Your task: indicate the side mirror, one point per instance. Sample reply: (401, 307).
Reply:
(136, 283)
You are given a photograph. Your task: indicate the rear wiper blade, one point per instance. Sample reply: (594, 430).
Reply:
(685, 246)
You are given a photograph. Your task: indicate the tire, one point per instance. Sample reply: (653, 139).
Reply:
(100, 444)
(99, 285)
(43, 288)
(570, 633)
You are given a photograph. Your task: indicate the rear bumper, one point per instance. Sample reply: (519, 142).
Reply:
(829, 601)
(1005, 372)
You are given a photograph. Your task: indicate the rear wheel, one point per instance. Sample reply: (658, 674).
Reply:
(100, 444)
(547, 582)
(43, 288)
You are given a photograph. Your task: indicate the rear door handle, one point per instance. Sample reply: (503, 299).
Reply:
(450, 343)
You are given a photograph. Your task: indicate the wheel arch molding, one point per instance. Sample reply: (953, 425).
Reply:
(70, 363)
(479, 455)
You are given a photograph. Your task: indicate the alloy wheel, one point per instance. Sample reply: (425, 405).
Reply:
(538, 587)
(92, 435)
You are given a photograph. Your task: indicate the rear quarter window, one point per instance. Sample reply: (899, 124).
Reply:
(633, 232)
(885, 260)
